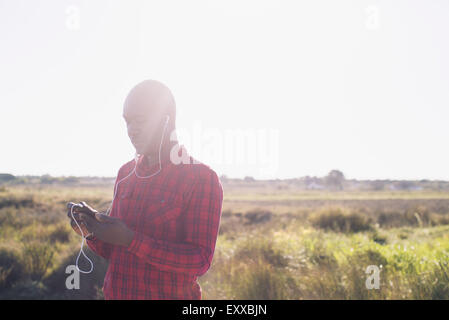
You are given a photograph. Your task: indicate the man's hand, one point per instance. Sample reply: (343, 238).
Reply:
(75, 221)
(77, 230)
(108, 229)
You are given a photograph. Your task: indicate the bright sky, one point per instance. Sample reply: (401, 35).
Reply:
(360, 86)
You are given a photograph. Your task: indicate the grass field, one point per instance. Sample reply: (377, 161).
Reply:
(273, 244)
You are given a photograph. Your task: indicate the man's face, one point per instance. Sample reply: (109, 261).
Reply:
(144, 129)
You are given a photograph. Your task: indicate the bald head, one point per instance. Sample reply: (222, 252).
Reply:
(145, 110)
(150, 97)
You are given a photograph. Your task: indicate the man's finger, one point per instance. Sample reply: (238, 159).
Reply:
(90, 222)
(104, 218)
(69, 214)
(83, 231)
(75, 227)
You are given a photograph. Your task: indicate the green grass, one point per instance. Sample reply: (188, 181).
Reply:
(272, 245)
(312, 264)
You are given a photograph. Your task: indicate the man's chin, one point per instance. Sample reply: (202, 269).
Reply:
(140, 150)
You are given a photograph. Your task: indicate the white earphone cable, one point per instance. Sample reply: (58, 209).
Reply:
(83, 240)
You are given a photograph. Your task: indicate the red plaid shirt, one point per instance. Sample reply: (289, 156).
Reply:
(175, 216)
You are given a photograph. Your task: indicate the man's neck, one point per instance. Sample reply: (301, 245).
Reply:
(153, 159)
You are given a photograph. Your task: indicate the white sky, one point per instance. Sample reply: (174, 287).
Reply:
(360, 86)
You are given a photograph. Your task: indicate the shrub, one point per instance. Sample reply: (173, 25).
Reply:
(439, 220)
(8, 217)
(433, 284)
(11, 269)
(356, 276)
(339, 221)
(90, 284)
(440, 289)
(414, 217)
(258, 216)
(26, 290)
(17, 202)
(318, 254)
(6, 177)
(379, 238)
(226, 213)
(61, 233)
(259, 248)
(38, 258)
(260, 281)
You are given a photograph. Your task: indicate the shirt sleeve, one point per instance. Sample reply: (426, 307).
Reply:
(102, 248)
(99, 247)
(202, 218)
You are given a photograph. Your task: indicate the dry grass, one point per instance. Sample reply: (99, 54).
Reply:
(273, 244)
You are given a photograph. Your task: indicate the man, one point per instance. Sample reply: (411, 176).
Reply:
(162, 228)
